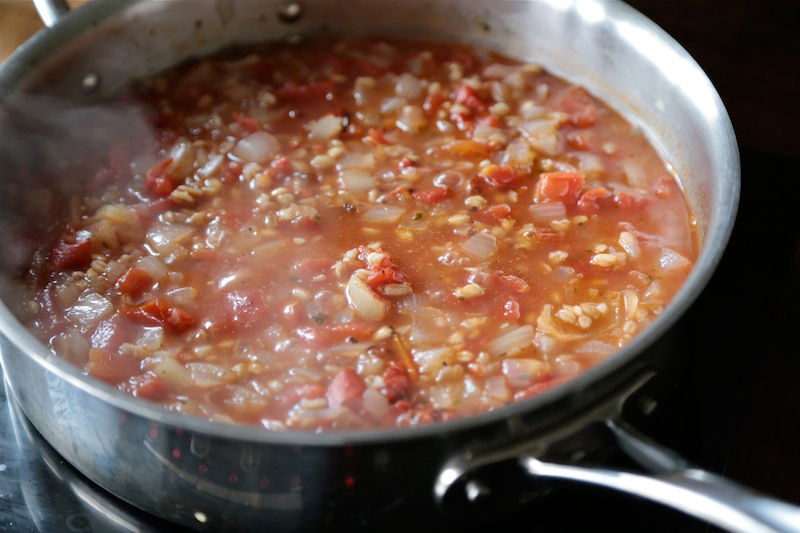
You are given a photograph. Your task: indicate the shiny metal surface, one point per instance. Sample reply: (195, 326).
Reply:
(50, 11)
(240, 478)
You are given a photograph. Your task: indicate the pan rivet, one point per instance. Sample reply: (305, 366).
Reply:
(90, 82)
(290, 11)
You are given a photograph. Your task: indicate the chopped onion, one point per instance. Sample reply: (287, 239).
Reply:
(542, 135)
(497, 71)
(654, 289)
(480, 246)
(520, 372)
(431, 362)
(411, 119)
(356, 180)
(671, 260)
(375, 403)
(566, 365)
(327, 127)
(392, 104)
(184, 296)
(152, 266)
(257, 147)
(89, 309)
(364, 160)
(595, 347)
(544, 343)
(496, 389)
(408, 86)
(364, 301)
(563, 272)
(164, 237)
(209, 375)
(449, 178)
(172, 372)
(72, 346)
(182, 156)
(387, 213)
(549, 211)
(518, 153)
(631, 301)
(515, 339)
(589, 163)
(483, 131)
(211, 167)
(152, 339)
(634, 174)
(630, 243)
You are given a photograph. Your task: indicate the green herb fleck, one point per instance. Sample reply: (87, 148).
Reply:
(417, 216)
(294, 279)
(319, 318)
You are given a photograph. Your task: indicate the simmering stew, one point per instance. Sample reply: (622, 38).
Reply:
(357, 233)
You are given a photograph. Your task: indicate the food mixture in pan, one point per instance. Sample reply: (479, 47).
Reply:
(361, 233)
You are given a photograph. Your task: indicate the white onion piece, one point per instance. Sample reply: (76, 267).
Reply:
(544, 343)
(363, 301)
(630, 244)
(387, 213)
(208, 375)
(375, 402)
(483, 132)
(408, 86)
(631, 301)
(152, 266)
(431, 362)
(515, 339)
(595, 347)
(480, 246)
(520, 372)
(326, 127)
(653, 290)
(184, 296)
(213, 165)
(356, 180)
(549, 211)
(72, 346)
(182, 156)
(496, 71)
(90, 309)
(589, 163)
(634, 174)
(172, 372)
(67, 292)
(257, 147)
(538, 128)
(518, 153)
(151, 339)
(563, 272)
(566, 365)
(671, 260)
(364, 160)
(412, 300)
(164, 237)
(392, 104)
(411, 119)
(497, 389)
(449, 178)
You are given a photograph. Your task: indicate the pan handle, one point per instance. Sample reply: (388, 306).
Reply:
(50, 11)
(672, 482)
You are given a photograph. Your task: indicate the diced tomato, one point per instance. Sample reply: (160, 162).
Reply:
(500, 175)
(588, 202)
(332, 61)
(158, 181)
(495, 214)
(376, 135)
(316, 90)
(71, 256)
(432, 103)
(245, 122)
(247, 307)
(108, 334)
(396, 381)
(511, 309)
(134, 282)
(513, 283)
(147, 386)
(329, 334)
(385, 272)
(579, 105)
(432, 195)
(262, 70)
(159, 312)
(345, 388)
(283, 167)
(559, 186)
(406, 162)
(467, 96)
(109, 366)
(231, 171)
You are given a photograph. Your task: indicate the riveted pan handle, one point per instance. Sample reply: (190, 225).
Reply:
(668, 479)
(50, 11)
